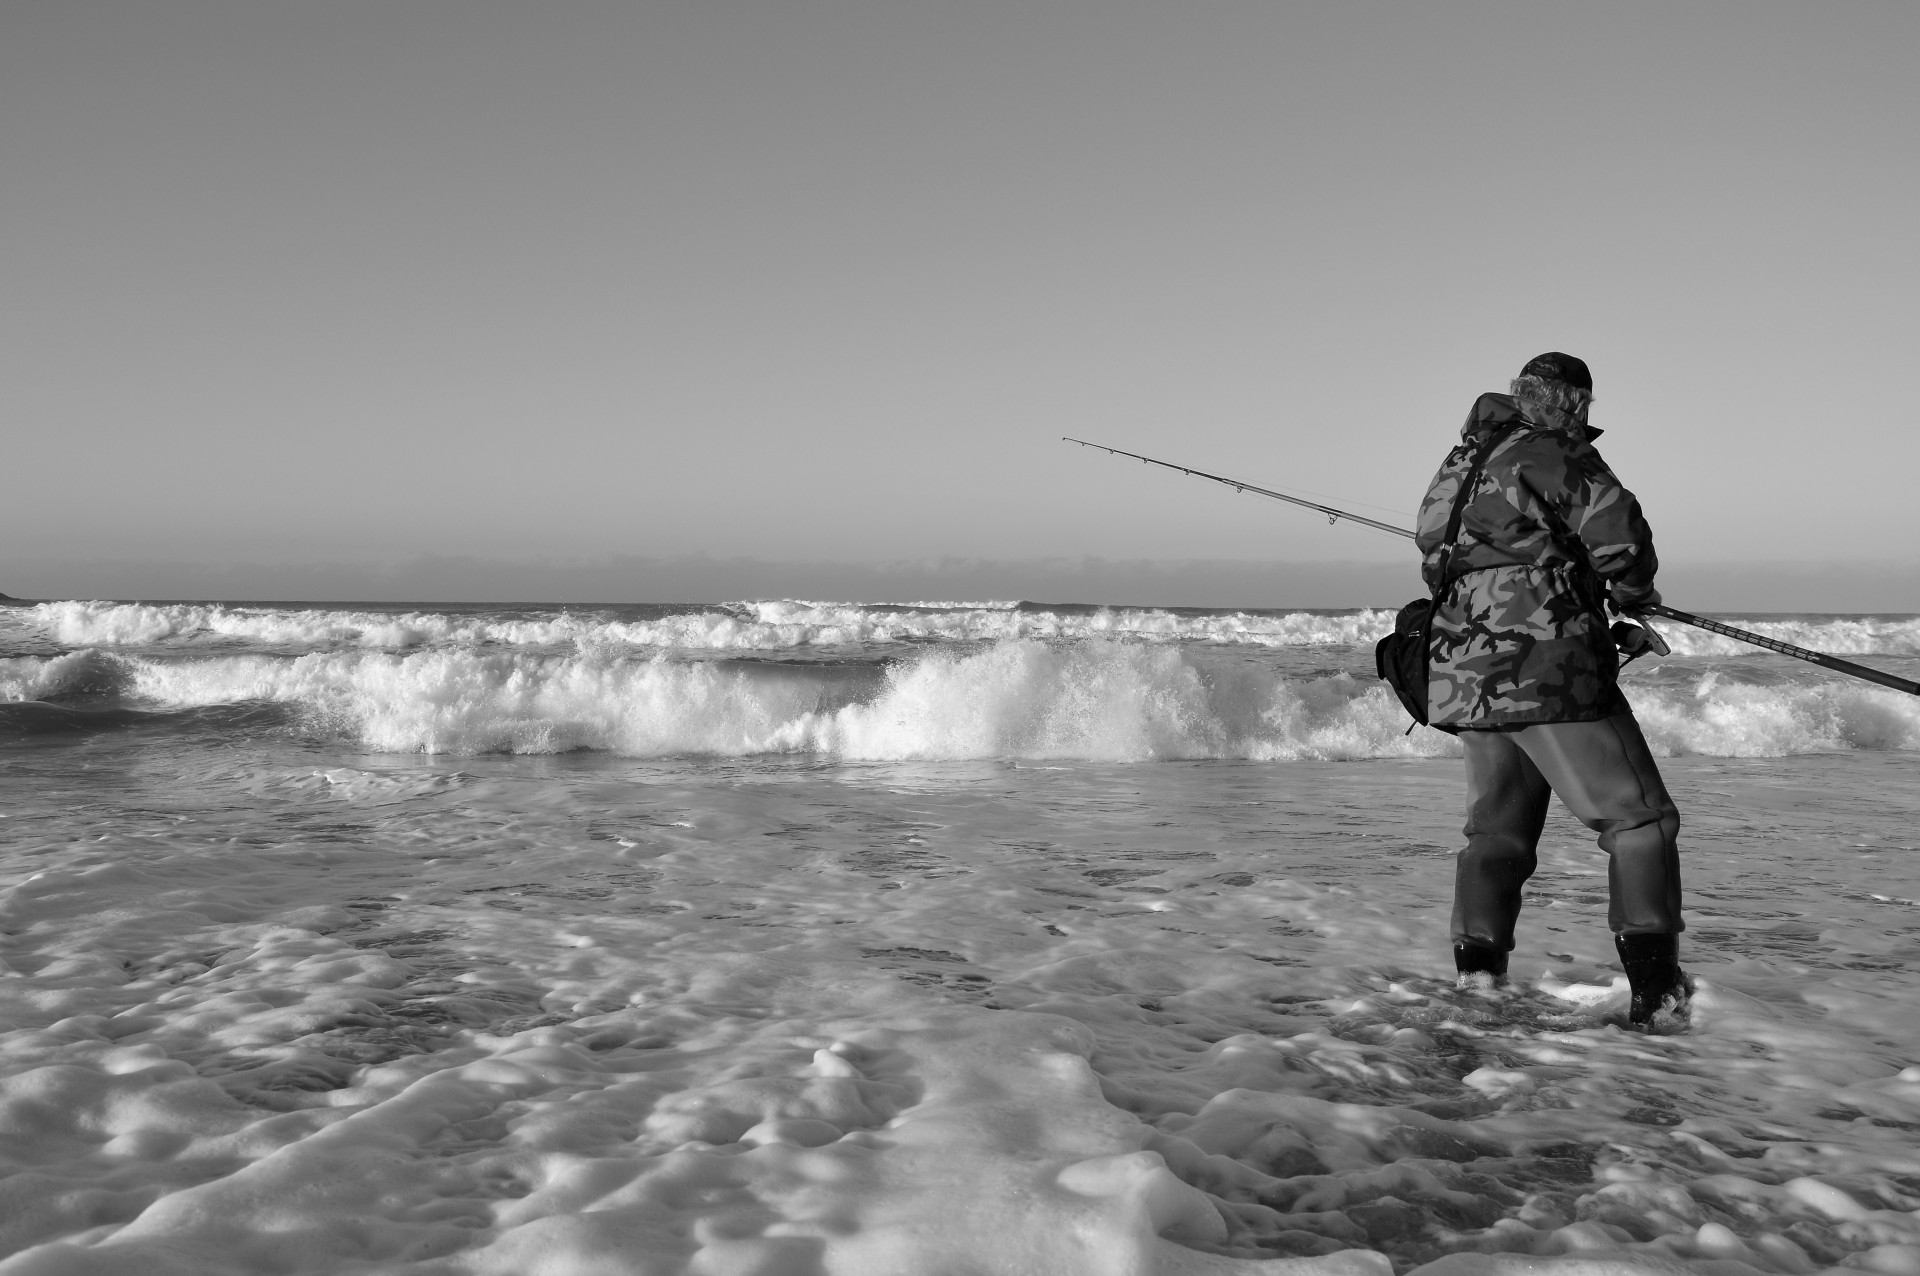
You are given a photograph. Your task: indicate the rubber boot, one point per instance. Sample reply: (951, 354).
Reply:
(1479, 967)
(1652, 963)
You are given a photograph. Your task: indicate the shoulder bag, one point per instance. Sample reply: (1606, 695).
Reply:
(1404, 657)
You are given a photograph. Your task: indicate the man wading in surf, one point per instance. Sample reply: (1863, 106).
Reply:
(1525, 668)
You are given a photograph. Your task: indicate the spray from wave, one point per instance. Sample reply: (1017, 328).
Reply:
(1098, 698)
(751, 626)
(777, 625)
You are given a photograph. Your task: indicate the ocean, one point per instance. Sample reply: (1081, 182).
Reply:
(790, 938)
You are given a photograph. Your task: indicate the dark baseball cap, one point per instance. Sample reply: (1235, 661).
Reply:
(1554, 366)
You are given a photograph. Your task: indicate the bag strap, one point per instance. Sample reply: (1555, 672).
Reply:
(1447, 546)
(1460, 498)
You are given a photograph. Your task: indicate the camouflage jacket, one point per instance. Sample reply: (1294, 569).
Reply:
(1520, 633)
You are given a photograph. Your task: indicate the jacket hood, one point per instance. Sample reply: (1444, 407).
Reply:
(1493, 411)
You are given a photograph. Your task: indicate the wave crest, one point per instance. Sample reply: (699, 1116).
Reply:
(774, 625)
(1836, 636)
(1096, 699)
(77, 675)
(752, 626)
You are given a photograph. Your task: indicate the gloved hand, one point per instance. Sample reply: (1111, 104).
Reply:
(1635, 641)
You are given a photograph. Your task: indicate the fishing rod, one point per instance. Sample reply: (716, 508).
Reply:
(1333, 515)
(1657, 609)
(1786, 648)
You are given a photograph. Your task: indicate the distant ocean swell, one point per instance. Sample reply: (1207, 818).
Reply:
(785, 624)
(1096, 698)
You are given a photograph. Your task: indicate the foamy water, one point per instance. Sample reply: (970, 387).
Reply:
(935, 681)
(778, 624)
(950, 939)
(749, 626)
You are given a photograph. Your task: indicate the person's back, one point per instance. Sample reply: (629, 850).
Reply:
(1547, 528)
(1524, 667)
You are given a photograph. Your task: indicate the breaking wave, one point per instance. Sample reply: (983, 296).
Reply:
(1099, 700)
(1834, 635)
(792, 624)
(1096, 699)
(751, 626)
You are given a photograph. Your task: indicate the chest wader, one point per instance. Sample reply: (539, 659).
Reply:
(1606, 776)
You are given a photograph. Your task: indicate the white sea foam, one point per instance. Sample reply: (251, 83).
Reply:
(515, 1018)
(1718, 718)
(755, 626)
(1836, 636)
(772, 625)
(1101, 699)
(45, 678)
(797, 623)
(102, 624)
(1095, 699)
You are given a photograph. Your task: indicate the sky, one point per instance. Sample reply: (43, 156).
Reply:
(653, 301)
